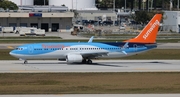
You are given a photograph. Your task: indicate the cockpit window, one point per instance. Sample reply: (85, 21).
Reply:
(19, 49)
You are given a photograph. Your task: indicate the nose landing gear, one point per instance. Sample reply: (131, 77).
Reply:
(25, 61)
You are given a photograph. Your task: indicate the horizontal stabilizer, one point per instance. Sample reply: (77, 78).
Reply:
(124, 52)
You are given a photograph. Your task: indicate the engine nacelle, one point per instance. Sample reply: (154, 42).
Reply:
(73, 58)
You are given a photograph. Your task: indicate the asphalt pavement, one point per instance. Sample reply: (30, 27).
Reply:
(55, 66)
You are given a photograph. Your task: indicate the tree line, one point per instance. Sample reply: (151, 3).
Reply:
(8, 5)
(162, 4)
(5, 4)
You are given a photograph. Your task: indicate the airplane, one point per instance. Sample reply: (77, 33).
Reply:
(83, 52)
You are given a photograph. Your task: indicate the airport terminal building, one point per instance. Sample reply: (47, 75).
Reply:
(51, 19)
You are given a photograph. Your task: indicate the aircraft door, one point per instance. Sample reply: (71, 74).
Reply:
(30, 49)
(79, 49)
(135, 47)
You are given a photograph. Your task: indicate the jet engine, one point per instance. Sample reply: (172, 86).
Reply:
(73, 58)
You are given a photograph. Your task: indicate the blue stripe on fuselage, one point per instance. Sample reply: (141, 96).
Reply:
(43, 48)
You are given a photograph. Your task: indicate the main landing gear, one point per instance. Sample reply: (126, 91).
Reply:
(85, 61)
(25, 61)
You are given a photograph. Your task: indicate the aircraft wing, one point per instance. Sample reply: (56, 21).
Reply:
(93, 54)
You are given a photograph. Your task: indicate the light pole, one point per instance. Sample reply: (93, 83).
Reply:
(125, 7)
(151, 4)
(171, 5)
(135, 4)
(114, 5)
(143, 3)
(76, 4)
(72, 4)
(21, 2)
(178, 5)
(148, 5)
(44, 2)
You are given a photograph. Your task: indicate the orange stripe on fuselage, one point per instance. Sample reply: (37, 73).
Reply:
(149, 33)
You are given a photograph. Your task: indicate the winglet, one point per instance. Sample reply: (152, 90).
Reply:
(149, 33)
(91, 39)
(124, 47)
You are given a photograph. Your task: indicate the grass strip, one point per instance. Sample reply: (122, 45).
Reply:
(152, 54)
(157, 54)
(29, 37)
(90, 83)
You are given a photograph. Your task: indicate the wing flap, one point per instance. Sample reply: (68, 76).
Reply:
(94, 54)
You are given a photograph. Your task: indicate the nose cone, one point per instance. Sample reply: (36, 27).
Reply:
(12, 53)
(15, 54)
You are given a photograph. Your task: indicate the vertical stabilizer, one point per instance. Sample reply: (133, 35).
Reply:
(149, 33)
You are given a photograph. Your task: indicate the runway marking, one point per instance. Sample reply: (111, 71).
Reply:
(29, 71)
(157, 70)
(141, 69)
(10, 47)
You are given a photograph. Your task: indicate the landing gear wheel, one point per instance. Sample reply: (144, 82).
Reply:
(25, 62)
(89, 61)
(84, 61)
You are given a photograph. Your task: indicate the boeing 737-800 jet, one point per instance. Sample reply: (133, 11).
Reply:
(84, 52)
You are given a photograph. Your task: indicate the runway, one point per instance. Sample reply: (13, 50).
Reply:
(54, 66)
